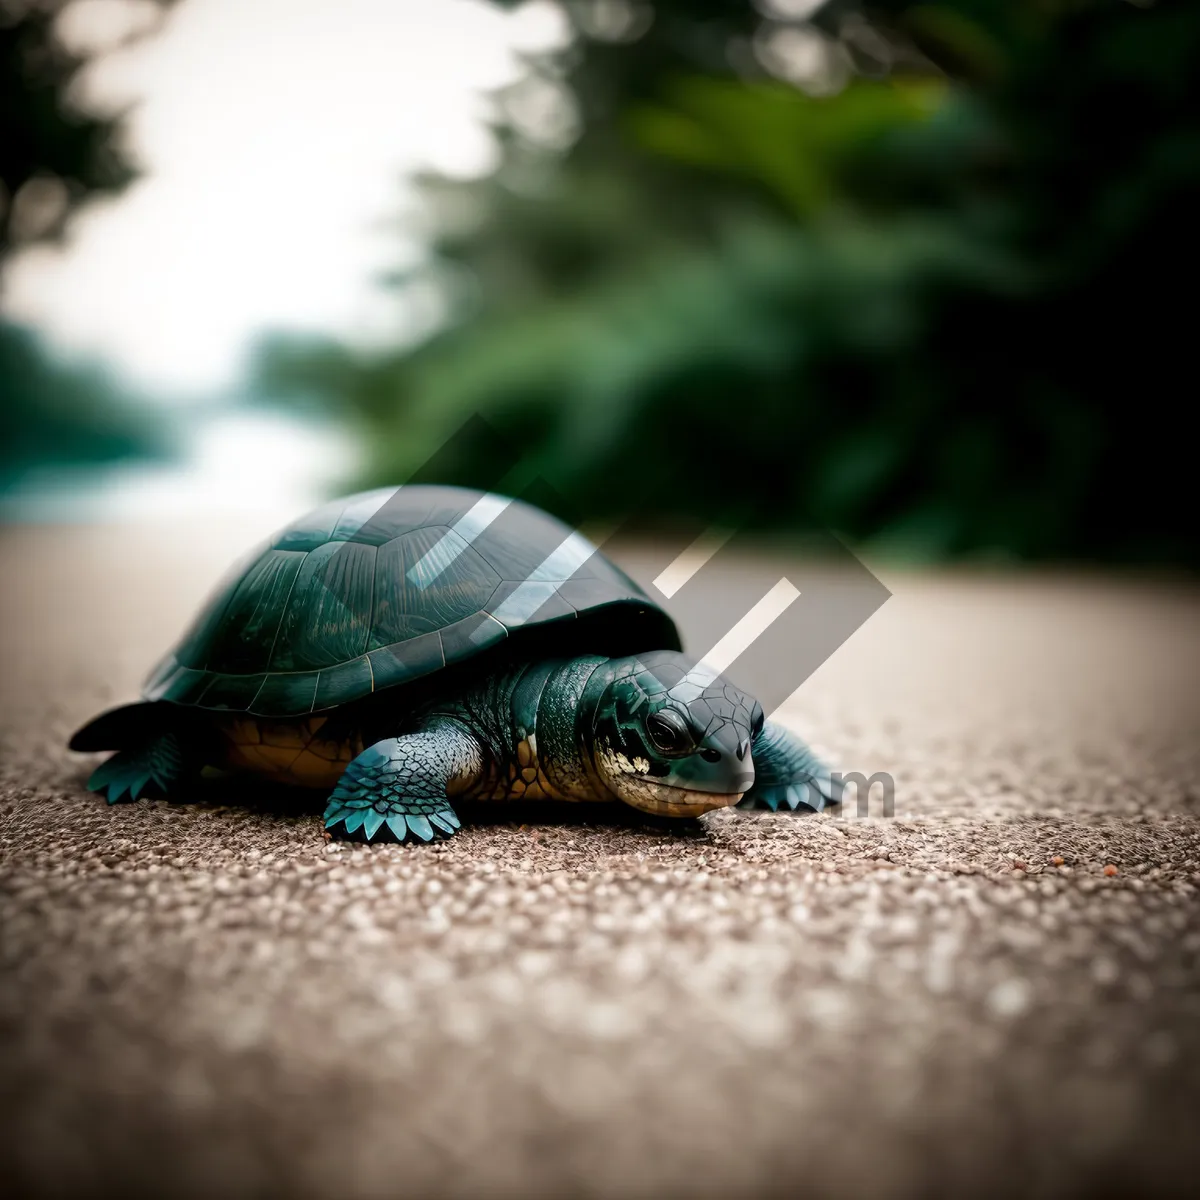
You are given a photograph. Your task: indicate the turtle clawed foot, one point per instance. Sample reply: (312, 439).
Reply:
(799, 798)
(123, 777)
(160, 766)
(369, 821)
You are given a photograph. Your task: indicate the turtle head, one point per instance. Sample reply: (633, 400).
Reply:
(672, 736)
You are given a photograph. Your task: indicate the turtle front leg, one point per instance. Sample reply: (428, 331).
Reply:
(403, 784)
(788, 776)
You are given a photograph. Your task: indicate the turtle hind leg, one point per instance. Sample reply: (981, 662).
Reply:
(788, 776)
(162, 762)
(399, 787)
(160, 746)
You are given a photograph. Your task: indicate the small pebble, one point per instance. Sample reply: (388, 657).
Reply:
(1110, 870)
(1010, 998)
(1058, 860)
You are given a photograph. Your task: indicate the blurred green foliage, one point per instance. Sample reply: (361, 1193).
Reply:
(920, 273)
(50, 150)
(913, 272)
(54, 157)
(58, 415)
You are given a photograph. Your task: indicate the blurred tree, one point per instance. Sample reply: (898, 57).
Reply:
(56, 414)
(912, 271)
(55, 155)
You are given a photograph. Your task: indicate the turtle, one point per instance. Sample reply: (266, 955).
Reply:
(407, 648)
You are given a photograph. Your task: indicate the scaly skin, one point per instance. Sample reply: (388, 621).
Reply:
(580, 730)
(659, 732)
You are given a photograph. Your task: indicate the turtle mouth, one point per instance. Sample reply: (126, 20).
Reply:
(666, 801)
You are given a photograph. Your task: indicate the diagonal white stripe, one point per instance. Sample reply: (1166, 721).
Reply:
(524, 601)
(563, 562)
(768, 610)
(448, 547)
(544, 579)
(677, 573)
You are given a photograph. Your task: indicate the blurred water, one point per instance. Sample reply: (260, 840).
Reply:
(260, 465)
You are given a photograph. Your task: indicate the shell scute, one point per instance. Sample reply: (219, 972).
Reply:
(328, 615)
(385, 587)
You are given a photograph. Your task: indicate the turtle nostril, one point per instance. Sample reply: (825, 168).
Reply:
(710, 755)
(743, 746)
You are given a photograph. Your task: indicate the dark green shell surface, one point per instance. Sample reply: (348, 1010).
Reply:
(386, 587)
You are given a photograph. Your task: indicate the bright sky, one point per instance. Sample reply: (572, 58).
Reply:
(274, 136)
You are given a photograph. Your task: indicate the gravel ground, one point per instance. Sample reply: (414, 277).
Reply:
(992, 991)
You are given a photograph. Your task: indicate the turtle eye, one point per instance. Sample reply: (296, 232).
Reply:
(668, 732)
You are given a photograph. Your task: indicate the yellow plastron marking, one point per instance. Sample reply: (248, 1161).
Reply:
(292, 752)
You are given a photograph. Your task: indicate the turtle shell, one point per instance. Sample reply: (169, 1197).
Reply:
(388, 586)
